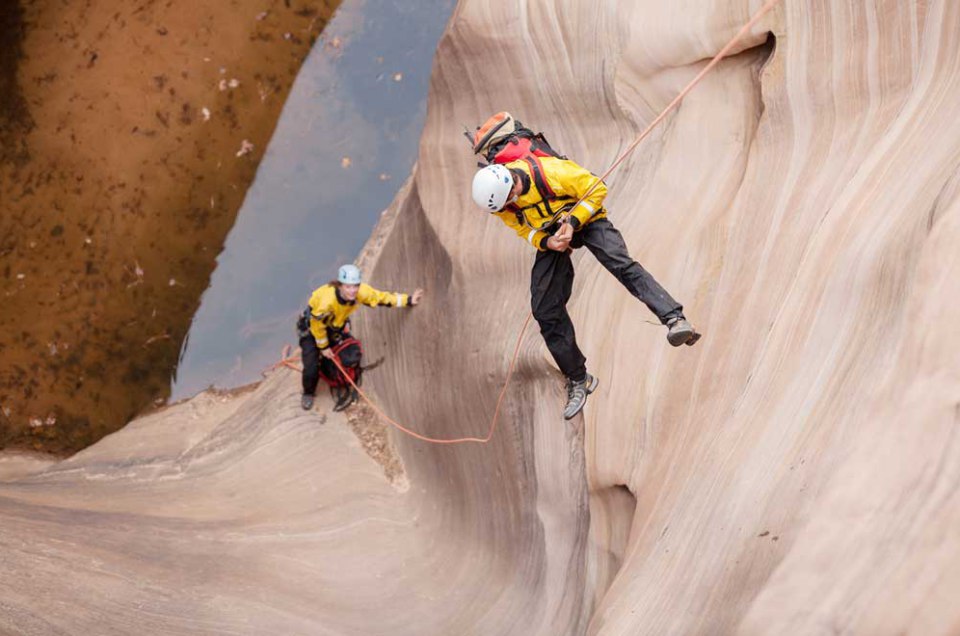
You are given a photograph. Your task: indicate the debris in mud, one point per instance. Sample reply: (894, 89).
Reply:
(206, 113)
(152, 339)
(262, 15)
(335, 45)
(36, 422)
(137, 273)
(245, 148)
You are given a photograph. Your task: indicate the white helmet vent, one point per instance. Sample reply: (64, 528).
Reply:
(491, 187)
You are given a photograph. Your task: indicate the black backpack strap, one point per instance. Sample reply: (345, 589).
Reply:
(536, 171)
(494, 149)
(546, 147)
(517, 212)
(542, 186)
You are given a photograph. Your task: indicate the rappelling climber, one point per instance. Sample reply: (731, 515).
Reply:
(535, 196)
(324, 330)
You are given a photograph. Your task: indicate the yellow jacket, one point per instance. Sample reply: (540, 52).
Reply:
(532, 211)
(328, 311)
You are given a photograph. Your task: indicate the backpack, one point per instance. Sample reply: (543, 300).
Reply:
(349, 351)
(502, 139)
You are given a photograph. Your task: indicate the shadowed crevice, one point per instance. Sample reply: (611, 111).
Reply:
(15, 119)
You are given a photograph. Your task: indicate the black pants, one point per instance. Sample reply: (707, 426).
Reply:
(313, 362)
(551, 283)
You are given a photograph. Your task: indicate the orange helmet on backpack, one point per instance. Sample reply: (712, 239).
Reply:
(502, 139)
(498, 126)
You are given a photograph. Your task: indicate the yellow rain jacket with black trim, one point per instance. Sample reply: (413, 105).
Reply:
(532, 211)
(327, 311)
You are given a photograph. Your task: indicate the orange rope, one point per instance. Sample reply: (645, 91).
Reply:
(287, 362)
(689, 87)
(433, 440)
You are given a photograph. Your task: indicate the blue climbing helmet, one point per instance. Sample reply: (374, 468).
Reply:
(348, 275)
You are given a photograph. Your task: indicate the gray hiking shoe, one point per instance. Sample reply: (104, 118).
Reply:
(577, 393)
(681, 332)
(306, 401)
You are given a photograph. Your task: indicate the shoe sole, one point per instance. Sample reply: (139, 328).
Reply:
(576, 413)
(353, 399)
(693, 339)
(678, 338)
(594, 383)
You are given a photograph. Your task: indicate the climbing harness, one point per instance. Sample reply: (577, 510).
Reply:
(646, 131)
(548, 196)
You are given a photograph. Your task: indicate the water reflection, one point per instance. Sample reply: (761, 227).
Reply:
(347, 139)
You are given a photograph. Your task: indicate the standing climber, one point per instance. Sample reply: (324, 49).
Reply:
(325, 324)
(535, 196)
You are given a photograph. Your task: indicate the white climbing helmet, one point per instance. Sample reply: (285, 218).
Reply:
(491, 187)
(349, 275)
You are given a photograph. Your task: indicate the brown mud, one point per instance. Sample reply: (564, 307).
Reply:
(129, 134)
